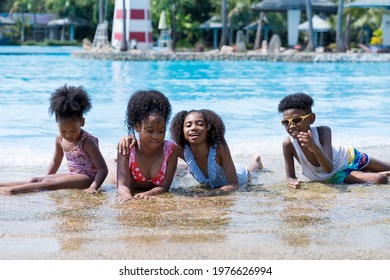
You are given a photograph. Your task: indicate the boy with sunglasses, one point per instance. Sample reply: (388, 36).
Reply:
(312, 148)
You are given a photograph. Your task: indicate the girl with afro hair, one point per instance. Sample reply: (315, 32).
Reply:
(200, 135)
(147, 169)
(87, 168)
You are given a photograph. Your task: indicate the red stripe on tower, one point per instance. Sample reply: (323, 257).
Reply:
(137, 14)
(139, 36)
(118, 36)
(119, 14)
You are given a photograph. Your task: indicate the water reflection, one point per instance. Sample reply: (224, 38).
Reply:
(306, 214)
(76, 216)
(175, 218)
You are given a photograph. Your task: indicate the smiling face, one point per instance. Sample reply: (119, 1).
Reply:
(195, 128)
(152, 131)
(70, 129)
(300, 121)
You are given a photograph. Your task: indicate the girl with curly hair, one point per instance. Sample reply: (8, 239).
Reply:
(200, 135)
(147, 169)
(87, 168)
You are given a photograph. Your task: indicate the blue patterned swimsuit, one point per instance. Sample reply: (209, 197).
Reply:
(216, 175)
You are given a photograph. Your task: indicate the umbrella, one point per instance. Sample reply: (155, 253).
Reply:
(319, 25)
(213, 23)
(162, 24)
(67, 21)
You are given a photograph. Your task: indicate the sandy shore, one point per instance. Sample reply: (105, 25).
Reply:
(264, 221)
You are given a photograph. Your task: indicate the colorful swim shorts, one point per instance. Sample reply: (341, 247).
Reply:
(357, 161)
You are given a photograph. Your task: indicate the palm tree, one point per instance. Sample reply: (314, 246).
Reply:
(20, 6)
(224, 35)
(309, 13)
(258, 31)
(101, 12)
(347, 39)
(174, 25)
(123, 47)
(340, 46)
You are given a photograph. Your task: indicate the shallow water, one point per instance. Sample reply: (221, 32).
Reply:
(264, 221)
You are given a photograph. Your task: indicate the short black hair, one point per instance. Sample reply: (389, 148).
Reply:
(69, 102)
(299, 101)
(215, 134)
(142, 104)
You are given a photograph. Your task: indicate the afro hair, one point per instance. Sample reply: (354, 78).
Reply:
(69, 102)
(142, 104)
(216, 127)
(299, 101)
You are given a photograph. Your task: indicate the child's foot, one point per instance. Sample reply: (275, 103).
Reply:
(259, 162)
(387, 173)
(181, 170)
(256, 165)
(6, 191)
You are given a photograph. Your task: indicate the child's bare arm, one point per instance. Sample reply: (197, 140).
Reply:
(91, 148)
(55, 162)
(227, 163)
(123, 178)
(288, 154)
(150, 193)
(324, 155)
(126, 143)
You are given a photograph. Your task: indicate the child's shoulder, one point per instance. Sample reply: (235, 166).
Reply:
(322, 130)
(88, 139)
(287, 140)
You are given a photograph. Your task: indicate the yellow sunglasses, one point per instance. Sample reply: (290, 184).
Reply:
(295, 120)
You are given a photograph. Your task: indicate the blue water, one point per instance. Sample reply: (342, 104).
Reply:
(351, 98)
(266, 221)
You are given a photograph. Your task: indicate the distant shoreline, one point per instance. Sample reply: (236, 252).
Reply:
(250, 55)
(215, 55)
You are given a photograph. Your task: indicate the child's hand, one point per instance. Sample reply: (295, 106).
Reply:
(91, 190)
(124, 197)
(142, 196)
(126, 143)
(306, 140)
(294, 183)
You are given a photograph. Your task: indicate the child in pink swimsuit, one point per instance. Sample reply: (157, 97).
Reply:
(149, 168)
(87, 168)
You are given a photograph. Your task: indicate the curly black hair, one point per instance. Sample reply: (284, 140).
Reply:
(215, 134)
(142, 104)
(69, 102)
(300, 101)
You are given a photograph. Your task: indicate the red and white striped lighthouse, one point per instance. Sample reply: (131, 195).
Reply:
(138, 24)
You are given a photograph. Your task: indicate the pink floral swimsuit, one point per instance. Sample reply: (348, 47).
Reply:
(80, 162)
(136, 172)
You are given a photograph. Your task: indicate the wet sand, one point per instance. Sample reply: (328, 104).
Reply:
(266, 220)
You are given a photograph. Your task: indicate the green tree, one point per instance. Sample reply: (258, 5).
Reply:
(6, 5)
(21, 6)
(184, 17)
